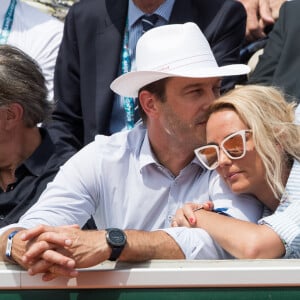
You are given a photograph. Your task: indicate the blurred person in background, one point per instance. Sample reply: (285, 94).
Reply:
(35, 32)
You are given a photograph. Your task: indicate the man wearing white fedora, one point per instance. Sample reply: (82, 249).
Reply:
(133, 182)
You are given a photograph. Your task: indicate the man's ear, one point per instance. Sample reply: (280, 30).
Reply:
(14, 115)
(15, 111)
(149, 104)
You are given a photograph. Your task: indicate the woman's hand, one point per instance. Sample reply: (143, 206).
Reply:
(187, 215)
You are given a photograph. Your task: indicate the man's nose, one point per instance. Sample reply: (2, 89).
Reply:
(209, 99)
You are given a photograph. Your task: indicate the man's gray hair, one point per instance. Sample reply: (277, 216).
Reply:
(22, 82)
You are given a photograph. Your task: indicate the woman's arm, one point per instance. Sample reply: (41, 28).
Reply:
(240, 238)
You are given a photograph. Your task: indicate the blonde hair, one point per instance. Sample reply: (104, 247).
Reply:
(272, 120)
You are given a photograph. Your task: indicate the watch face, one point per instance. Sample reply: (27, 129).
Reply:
(116, 237)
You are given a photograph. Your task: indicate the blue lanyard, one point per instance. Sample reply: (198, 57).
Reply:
(129, 104)
(7, 23)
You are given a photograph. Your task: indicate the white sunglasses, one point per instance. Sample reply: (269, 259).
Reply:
(234, 146)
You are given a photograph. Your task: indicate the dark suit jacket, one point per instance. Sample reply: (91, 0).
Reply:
(280, 63)
(89, 59)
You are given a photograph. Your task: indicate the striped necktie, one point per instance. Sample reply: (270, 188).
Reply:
(148, 21)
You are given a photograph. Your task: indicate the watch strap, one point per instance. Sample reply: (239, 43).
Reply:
(115, 253)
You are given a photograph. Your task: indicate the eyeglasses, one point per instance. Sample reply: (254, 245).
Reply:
(234, 146)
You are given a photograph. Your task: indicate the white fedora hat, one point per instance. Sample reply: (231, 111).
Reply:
(179, 50)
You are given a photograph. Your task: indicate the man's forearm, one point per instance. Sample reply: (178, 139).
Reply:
(142, 246)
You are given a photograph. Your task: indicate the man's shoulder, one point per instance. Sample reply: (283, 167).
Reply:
(126, 140)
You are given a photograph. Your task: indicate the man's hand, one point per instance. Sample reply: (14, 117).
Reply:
(275, 7)
(185, 216)
(260, 14)
(59, 250)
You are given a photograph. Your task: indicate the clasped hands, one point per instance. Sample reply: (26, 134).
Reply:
(58, 251)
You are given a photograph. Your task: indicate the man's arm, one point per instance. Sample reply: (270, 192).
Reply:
(62, 249)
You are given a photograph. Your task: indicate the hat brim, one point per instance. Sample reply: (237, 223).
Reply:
(129, 84)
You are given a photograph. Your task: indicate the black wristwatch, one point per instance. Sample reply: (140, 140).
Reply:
(116, 239)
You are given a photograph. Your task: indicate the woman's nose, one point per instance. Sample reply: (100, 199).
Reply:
(223, 159)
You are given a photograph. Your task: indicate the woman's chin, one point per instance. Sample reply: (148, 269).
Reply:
(238, 188)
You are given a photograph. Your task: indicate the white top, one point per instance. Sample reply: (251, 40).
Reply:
(118, 180)
(37, 34)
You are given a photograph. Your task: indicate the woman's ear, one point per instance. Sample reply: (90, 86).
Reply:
(149, 102)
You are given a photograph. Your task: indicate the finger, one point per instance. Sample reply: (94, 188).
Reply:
(49, 276)
(275, 7)
(253, 31)
(58, 238)
(46, 241)
(208, 205)
(55, 271)
(180, 218)
(45, 265)
(189, 212)
(265, 12)
(32, 233)
(74, 226)
(35, 250)
(58, 258)
(174, 223)
(40, 266)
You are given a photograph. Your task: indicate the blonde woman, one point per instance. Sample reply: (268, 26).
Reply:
(254, 144)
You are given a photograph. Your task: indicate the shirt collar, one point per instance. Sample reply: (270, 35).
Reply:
(37, 162)
(164, 11)
(146, 155)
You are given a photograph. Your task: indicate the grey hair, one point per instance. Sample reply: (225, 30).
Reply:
(272, 120)
(22, 82)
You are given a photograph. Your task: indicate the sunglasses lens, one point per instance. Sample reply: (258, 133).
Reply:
(208, 156)
(235, 146)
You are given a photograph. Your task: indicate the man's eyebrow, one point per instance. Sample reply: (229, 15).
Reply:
(194, 85)
(202, 84)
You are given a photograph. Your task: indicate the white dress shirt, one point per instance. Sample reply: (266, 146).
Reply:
(118, 180)
(37, 34)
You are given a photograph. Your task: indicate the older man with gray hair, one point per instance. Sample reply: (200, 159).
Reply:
(27, 155)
